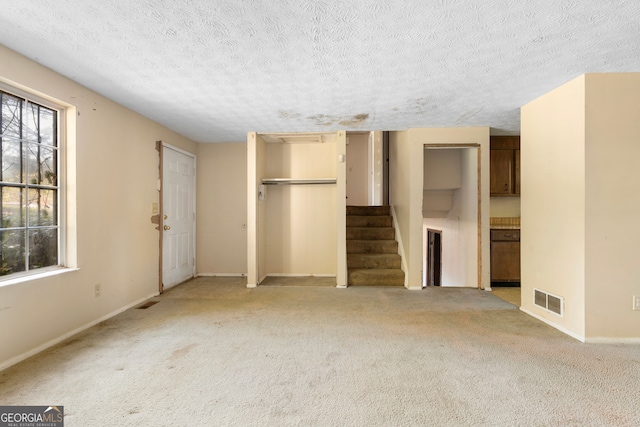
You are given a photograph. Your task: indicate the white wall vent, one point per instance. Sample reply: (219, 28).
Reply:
(549, 302)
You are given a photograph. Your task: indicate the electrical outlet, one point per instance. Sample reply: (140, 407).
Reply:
(96, 289)
(636, 302)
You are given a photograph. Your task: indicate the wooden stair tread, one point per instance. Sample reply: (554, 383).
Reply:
(369, 221)
(372, 249)
(371, 233)
(376, 277)
(368, 210)
(373, 261)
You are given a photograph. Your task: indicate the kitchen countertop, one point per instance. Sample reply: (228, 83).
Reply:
(505, 223)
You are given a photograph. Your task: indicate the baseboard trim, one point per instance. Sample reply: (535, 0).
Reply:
(613, 340)
(221, 275)
(554, 325)
(17, 359)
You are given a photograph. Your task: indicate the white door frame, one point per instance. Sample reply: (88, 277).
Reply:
(161, 208)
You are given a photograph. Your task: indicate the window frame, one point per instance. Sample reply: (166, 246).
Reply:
(61, 110)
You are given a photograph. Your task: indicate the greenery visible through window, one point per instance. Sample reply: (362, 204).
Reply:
(29, 230)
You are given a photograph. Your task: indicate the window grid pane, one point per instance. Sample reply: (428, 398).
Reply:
(12, 247)
(29, 231)
(13, 207)
(43, 247)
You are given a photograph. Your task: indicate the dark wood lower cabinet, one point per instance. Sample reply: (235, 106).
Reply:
(505, 255)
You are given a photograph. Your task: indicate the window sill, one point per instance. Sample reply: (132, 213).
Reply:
(36, 276)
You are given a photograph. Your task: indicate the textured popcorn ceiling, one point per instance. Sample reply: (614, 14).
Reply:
(213, 70)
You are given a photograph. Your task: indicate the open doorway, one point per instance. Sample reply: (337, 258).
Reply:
(451, 206)
(434, 257)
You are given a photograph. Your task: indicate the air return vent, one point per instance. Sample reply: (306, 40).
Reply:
(147, 305)
(549, 302)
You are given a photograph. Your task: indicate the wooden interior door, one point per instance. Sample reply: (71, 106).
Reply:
(434, 258)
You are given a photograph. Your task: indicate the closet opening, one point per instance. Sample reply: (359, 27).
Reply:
(296, 206)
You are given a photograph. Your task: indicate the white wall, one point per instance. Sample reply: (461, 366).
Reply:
(113, 185)
(221, 240)
(357, 169)
(453, 260)
(375, 140)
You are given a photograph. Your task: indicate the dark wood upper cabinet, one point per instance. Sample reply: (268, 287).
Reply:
(517, 187)
(505, 166)
(502, 168)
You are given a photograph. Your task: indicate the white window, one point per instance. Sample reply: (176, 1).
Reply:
(30, 228)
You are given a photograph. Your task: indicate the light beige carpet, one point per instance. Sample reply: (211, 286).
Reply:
(214, 353)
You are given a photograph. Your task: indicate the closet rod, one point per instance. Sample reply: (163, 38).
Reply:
(292, 181)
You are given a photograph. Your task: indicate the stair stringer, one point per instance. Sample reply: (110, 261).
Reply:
(403, 264)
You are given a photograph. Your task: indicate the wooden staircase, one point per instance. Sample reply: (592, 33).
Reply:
(372, 251)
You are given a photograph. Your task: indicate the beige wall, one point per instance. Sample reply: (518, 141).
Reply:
(467, 198)
(400, 197)
(406, 182)
(505, 207)
(579, 210)
(221, 240)
(116, 173)
(300, 219)
(300, 230)
(612, 203)
(553, 203)
(442, 169)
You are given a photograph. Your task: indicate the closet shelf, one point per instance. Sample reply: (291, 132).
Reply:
(294, 181)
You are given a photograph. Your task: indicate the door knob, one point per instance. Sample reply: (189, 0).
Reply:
(167, 227)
